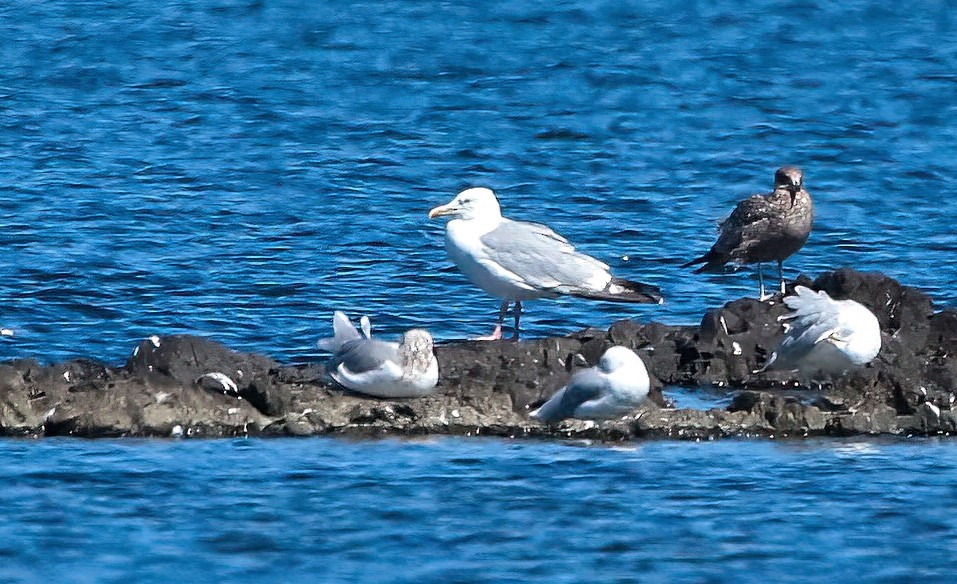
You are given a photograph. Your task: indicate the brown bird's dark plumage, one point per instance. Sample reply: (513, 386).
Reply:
(764, 228)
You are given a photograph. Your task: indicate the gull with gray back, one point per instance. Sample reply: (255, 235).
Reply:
(382, 369)
(611, 389)
(824, 336)
(518, 260)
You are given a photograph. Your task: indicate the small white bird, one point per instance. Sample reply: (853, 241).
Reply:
(382, 369)
(825, 336)
(611, 389)
(517, 260)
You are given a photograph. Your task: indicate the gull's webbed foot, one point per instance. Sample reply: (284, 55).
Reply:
(495, 336)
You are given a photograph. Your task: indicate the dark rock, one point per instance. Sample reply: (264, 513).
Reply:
(929, 416)
(625, 332)
(218, 382)
(186, 386)
(588, 354)
(795, 418)
(187, 359)
(711, 328)
(908, 398)
(943, 333)
(700, 425)
(829, 403)
(940, 374)
(948, 423)
(871, 417)
(11, 379)
(269, 398)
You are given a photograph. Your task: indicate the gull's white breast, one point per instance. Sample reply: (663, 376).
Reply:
(388, 380)
(464, 245)
(625, 389)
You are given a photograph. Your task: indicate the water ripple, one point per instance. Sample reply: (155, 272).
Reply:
(241, 170)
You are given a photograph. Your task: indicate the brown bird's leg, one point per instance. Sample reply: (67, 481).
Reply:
(781, 275)
(761, 295)
(517, 312)
(497, 333)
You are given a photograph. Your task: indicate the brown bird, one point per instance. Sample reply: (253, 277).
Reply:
(763, 228)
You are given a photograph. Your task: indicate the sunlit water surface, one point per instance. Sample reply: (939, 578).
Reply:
(241, 169)
(477, 510)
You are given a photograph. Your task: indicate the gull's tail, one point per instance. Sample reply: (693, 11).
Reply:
(806, 302)
(552, 410)
(343, 330)
(621, 290)
(713, 262)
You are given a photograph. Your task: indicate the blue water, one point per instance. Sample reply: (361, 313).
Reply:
(242, 169)
(460, 510)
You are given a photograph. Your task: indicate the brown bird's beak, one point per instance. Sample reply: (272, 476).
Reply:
(442, 210)
(794, 190)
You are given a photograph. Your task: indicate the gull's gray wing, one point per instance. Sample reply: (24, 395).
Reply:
(541, 258)
(805, 334)
(815, 318)
(586, 385)
(363, 354)
(343, 331)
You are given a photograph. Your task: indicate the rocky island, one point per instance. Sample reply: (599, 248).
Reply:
(185, 386)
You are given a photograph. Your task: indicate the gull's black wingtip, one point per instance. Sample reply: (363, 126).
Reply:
(621, 290)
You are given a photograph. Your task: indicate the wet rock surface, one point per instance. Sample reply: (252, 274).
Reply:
(194, 387)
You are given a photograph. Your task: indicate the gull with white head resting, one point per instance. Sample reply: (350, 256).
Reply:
(518, 260)
(611, 389)
(378, 368)
(824, 336)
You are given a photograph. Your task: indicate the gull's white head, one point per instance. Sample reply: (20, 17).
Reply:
(616, 358)
(477, 203)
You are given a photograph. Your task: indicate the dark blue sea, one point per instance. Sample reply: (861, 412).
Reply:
(477, 510)
(241, 169)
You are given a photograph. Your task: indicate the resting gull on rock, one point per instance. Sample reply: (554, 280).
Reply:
(611, 389)
(517, 260)
(824, 336)
(764, 228)
(382, 369)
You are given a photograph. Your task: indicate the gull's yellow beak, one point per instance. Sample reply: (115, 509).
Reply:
(442, 210)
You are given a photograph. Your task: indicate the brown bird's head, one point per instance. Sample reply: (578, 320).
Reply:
(789, 178)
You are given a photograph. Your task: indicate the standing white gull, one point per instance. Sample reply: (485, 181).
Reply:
(382, 369)
(825, 336)
(517, 260)
(611, 389)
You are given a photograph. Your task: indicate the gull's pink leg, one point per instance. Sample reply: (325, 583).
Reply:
(495, 336)
(497, 333)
